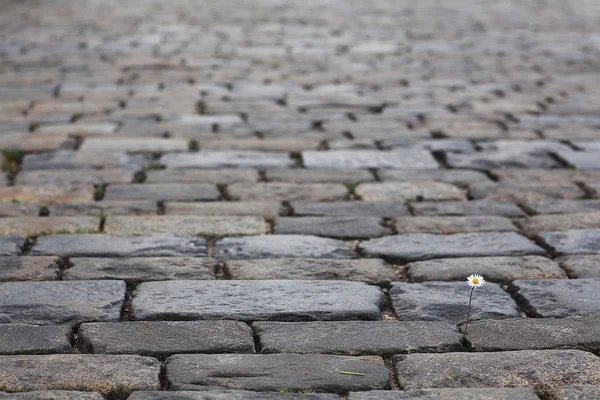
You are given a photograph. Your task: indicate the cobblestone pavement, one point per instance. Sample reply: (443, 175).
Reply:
(276, 199)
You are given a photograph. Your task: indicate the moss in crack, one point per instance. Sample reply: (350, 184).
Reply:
(201, 107)
(193, 145)
(139, 177)
(33, 126)
(99, 191)
(11, 162)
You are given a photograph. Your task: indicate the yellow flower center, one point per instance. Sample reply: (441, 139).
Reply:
(475, 281)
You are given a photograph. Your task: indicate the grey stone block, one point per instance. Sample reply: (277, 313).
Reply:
(576, 241)
(486, 160)
(32, 339)
(448, 394)
(581, 159)
(319, 175)
(525, 192)
(357, 159)
(224, 394)
(282, 300)
(564, 206)
(350, 208)
(466, 208)
(29, 268)
(11, 245)
(458, 177)
(581, 266)
(340, 227)
(52, 395)
(449, 225)
(227, 159)
(553, 223)
(286, 191)
(408, 191)
(192, 225)
(163, 192)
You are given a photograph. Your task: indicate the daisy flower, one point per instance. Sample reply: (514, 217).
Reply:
(475, 280)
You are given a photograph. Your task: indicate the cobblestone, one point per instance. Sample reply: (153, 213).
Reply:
(334, 227)
(29, 268)
(409, 191)
(163, 192)
(192, 225)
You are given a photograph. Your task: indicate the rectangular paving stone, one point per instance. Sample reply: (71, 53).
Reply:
(59, 302)
(219, 176)
(319, 175)
(563, 206)
(525, 192)
(163, 338)
(539, 175)
(372, 271)
(581, 159)
(274, 372)
(363, 159)
(140, 269)
(99, 245)
(29, 268)
(445, 301)
(33, 226)
(487, 160)
(423, 246)
(267, 209)
(535, 334)
(283, 300)
(452, 145)
(33, 339)
(48, 194)
(281, 246)
(105, 207)
(110, 375)
(558, 298)
(408, 191)
(553, 223)
(228, 159)
(500, 369)
(11, 245)
(357, 337)
(163, 192)
(350, 208)
(448, 225)
(52, 394)
(134, 144)
(83, 160)
(284, 191)
(283, 144)
(75, 177)
(192, 225)
(466, 208)
(576, 241)
(459, 177)
(486, 393)
(224, 394)
(578, 392)
(340, 227)
(581, 266)
(495, 269)
(528, 146)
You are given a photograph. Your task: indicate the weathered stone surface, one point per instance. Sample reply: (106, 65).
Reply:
(224, 394)
(192, 225)
(167, 245)
(552, 223)
(529, 146)
(422, 246)
(581, 159)
(106, 374)
(559, 297)
(448, 225)
(283, 300)
(354, 208)
(17, 209)
(163, 192)
(538, 176)
(371, 271)
(134, 144)
(357, 337)
(31, 339)
(11, 245)
(47, 194)
(448, 394)
(564, 206)
(576, 241)
(340, 227)
(52, 395)
(525, 192)
(581, 266)
(281, 191)
(285, 144)
(459, 177)
(28, 268)
(217, 176)
(110, 207)
(486, 160)
(495, 269)
(272, 372)
(83, 160)
(446, 301)
(139, 269)
(504, 369)
(319, 176)
(280, 246)
(535, 334)
(409, 191)
(60, 302)
(163, 338)
(357, 159)
(578, 392)
(473, 207)
(451, 145)
(227, 159)
(75, 177)
(267, 209)
(33, 226)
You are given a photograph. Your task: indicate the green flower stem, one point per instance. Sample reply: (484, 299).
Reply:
(468, 313)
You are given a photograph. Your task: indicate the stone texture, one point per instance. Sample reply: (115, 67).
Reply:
(530, 146)
(47, 194)
(486, 393)
(334, 227)
(371, 271)
(59, 302)
(223, 394)
(578, 392)
(357, 337)
(163, 192)
(109, 375)
(227, 159)
(448, 225)
(120, 246)
(505, 369)
(110, 207)
(319, 176)
(564, 206)
(31, 339)
(408, 191)
(281, 246)
(357, 159)
(486, 160)
(75, 177)
(466, 208)
(282, 300)
(458, 177)
(28, 268)
(354, 208)
(447, 301)
(559, 297)
(282, 191)
(495, 269)
(83, 160)
(535, 334)
(52, 395)
(33, 226)
(422, 246)
(216, 176)
(163, 338)
(134, 144)
(140, 269)
(192, 225)
(576, 241)
(581, 266)
(11, 245)
(272, 372)
(551, 223)
(581, 159)
(267, 209)
(525, 193)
